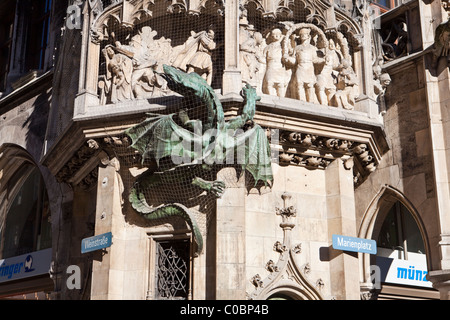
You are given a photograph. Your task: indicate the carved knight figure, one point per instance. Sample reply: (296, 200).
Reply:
(142, 51)
(276, 77)
(303, 60)
(247, 52)
(196, 54)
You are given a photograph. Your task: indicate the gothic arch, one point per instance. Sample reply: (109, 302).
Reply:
(318, 12)
(374, 217)
(127, 14)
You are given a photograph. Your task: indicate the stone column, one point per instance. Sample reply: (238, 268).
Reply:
(368, 103)
(231, 74)
(344, 276)
(107, 267)
(230, 240)
(437, 77)
(89, 68)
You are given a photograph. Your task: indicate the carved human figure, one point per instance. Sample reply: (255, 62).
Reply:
(381, 83)
(326, 83)
(196, 54)
(304, 78)
(247, 52)
(142, 52)
(347, 86)
(119, 69)
(327, 79)
(260, 60)
(276, 77)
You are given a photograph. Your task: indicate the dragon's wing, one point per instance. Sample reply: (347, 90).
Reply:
(250, 149)
(258, 155)
(158, 137)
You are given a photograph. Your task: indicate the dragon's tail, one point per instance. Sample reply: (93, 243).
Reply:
(138, 202)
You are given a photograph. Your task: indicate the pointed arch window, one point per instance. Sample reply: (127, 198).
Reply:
(25, 220)
(400, 237)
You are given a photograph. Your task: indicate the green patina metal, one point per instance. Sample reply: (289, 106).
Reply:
(200, 144)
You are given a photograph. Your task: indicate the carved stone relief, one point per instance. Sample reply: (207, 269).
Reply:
(133, 69)
(309, 61)
(300, 62)
(195, 55)
(317, 152)
(286, 276)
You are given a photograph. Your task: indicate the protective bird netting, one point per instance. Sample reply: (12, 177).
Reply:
(174, 61)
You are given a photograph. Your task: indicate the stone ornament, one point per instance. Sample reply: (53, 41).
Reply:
(132, 70)
(286, 276)
(308, 61)
(441, 46)
(300, 62)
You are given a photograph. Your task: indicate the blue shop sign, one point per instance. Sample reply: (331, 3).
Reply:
(25, 266)
(96, 242)
(353, 244)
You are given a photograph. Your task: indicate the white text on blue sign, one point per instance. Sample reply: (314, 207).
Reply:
(353, 244)
(96, 243)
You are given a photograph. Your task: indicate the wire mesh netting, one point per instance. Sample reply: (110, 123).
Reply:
(176, 60)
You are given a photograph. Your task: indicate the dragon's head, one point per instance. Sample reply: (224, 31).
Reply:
(181, 82)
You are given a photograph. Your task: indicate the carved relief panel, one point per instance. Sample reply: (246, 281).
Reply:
(301, 50)
(137, 38)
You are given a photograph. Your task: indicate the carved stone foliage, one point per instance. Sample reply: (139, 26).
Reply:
(326, 15)
(317, 152)
(128, 13)
(81, 169)
(84, 153)
(286, 277)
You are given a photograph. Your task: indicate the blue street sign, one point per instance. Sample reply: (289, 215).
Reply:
(354, 244)
(96, 242)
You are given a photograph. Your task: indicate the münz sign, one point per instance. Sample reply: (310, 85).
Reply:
(354, 244)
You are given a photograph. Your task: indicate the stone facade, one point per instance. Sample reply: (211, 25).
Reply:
(354, 108)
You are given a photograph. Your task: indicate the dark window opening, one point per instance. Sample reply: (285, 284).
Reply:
(27, 226)
(400, 233)
(38, 36)
(6, 37)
